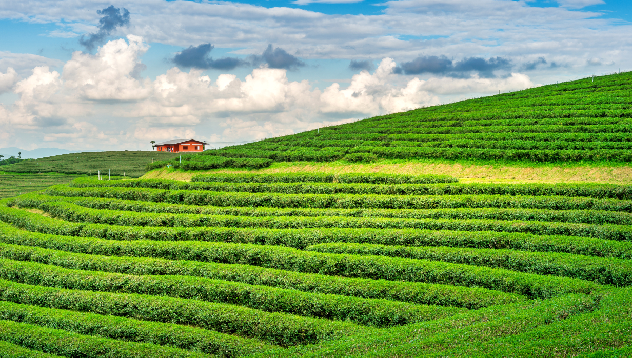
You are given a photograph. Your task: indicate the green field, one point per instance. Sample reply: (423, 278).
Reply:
(128, 163)
(316, 264)
(13, 184)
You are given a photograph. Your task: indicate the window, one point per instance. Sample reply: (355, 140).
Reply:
(185, 147)
(197, 147)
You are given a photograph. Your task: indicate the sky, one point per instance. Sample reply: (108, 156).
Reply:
(111, 75)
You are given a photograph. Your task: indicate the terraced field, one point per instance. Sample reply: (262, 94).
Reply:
(316, 264)
(579, 121)
(13, 184)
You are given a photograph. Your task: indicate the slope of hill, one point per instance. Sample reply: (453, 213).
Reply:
(580, 121)
(317, 265)
(130, 163)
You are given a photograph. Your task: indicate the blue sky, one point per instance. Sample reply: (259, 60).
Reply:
(114, 75)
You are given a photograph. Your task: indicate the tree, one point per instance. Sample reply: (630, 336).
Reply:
(152, 143)
(1, 156)
(20, 155)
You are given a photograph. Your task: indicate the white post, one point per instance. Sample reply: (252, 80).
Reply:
(108, 174)
(98, 175)
(180, 158)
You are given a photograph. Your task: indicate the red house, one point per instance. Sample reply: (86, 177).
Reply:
(180, 145)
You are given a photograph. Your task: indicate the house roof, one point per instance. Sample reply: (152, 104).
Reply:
(178, 141)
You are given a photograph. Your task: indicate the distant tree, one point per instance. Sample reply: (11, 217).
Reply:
(152, 143)
(20, 155)
(1, 156)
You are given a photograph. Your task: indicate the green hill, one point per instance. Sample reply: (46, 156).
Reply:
(578, 121)
(339, 264)
(130, 163)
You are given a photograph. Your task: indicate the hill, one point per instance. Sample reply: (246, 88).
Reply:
(318, 265)
(119, 163)
(580, 121)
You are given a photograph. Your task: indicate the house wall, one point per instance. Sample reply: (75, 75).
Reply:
(186, 147)
(190, 146)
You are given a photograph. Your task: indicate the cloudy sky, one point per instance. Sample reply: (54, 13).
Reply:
(110, 75)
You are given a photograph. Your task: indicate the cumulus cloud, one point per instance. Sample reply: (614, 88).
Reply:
(197, 57)
(112, 18)
(101, 99)
(41, 104)
(110, 74)
(375, 94)
(359, 65)
(24, 63)
(278, 58)
(7, 80)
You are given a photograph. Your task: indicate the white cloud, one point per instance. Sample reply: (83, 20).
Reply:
(100, 100)
(447, 85)
(24, 63)
(7, 80)
(307, 2)
(110, 74)
(162, 134)
(579, 4)
(375, 94)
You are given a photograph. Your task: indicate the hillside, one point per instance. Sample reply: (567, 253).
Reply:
(130, 163)
(580, 121)
(339, 261)
(318, 265)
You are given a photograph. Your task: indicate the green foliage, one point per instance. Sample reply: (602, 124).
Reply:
(10, 160)
(65, 343)
(76, 213)
(345, 201)
(319, 178)
(606, 271)
(412, 292)
(183, 337)
(190, 162)
(360, 157)
(12, 350)
(291, 259)
(379, 313)
(382, 184)
(301, 238)
(277, 328)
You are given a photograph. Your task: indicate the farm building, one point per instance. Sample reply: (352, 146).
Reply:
(180, 145)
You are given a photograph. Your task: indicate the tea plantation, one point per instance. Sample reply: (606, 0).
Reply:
(318, 265)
